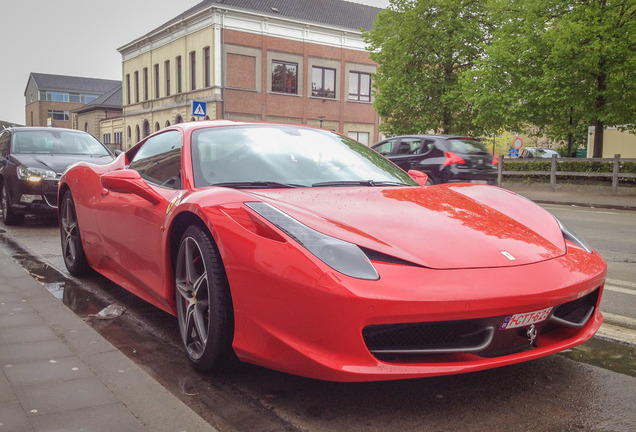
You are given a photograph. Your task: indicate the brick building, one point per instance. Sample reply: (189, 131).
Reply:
(300, 61)
(102, 118)
(50, 99)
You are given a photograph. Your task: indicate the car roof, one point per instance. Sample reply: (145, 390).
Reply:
(431, 136)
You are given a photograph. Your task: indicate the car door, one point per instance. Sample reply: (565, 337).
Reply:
(132, 226)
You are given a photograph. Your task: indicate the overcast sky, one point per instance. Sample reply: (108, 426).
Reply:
(74, 37)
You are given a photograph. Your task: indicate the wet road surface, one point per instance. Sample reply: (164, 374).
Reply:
(557, 393)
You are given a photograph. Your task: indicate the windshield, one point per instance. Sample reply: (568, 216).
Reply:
(57, 142)
(286, 156)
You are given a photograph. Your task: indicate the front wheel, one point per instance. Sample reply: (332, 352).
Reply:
(9, 217)
(72, 249)
(204, 305)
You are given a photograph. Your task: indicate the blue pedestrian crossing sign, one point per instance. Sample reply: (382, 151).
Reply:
(199, 109)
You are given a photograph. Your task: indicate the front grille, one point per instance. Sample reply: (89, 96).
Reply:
(480, 337)
(429, 338)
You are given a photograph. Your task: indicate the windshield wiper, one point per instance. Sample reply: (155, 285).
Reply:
(369, 183)
(256, 184)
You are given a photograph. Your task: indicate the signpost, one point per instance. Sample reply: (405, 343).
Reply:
(517, 143)
(199, 109)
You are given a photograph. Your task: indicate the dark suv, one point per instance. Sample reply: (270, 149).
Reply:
(445, 158)
(32, 160)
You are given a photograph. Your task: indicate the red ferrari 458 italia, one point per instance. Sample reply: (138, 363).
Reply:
(304, 251)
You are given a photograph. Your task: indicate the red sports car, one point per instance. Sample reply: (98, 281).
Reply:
(303, 251)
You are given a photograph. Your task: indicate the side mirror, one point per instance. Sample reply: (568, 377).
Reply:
(130, 181)
(420, 177)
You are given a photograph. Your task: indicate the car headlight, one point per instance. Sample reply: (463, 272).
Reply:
(35, 174)
(569, 234)
(340, 255)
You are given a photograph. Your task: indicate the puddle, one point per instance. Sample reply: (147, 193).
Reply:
(605, 354)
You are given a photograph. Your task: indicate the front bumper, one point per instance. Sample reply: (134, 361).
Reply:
(312, 322)
(34, 197)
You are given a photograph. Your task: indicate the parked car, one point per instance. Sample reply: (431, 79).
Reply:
(538, 152)
(444, 158)
(32, 160)
(304, 251)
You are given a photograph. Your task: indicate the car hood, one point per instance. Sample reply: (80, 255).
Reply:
(58, 162)
(440, 227)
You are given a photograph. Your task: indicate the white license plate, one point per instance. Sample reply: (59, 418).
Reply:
(525, 319)
(479, 181)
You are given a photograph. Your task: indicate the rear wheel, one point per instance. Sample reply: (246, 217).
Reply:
(72, 249)
(9, 217)
(204, 305)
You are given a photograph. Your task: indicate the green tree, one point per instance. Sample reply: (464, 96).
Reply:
(422, 47)
(559, 65)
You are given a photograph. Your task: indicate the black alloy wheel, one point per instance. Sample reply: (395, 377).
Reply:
(9, 217)
(204, 305)
(72, 249)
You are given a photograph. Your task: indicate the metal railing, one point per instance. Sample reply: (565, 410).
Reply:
(616, 175)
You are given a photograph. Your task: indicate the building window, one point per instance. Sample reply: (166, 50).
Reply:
(167, 75)
(54, 96)
(284, 77)
(360, 86)
(179, 75)
(106, 139)
(323, 82)
(128, 89)
(157, 81)
(145, 83)
(82, 98)
(117, 137)
(362, 137)
(206, 66)
(136, 86)
(193, 70)
(58, 115)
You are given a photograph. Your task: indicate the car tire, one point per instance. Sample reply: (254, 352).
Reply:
(72, 249)
(204, 305)
(9, 217)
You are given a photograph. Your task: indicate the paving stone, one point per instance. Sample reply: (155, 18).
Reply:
(108, 418)
(52, 397)
(25, 334)
(43, 371)
(29, 351)
(13, 418)
(20, 317)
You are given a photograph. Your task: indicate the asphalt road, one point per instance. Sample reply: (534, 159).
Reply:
(562, 392)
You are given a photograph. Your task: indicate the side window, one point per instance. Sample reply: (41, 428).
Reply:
(427, 146)
(409, 146)
(159, 160)
(386, 148)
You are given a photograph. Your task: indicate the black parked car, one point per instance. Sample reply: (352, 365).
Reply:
(445, 158)
(32, 160)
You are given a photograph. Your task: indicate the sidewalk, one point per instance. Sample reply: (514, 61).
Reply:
(58, 374)
(576, 195)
